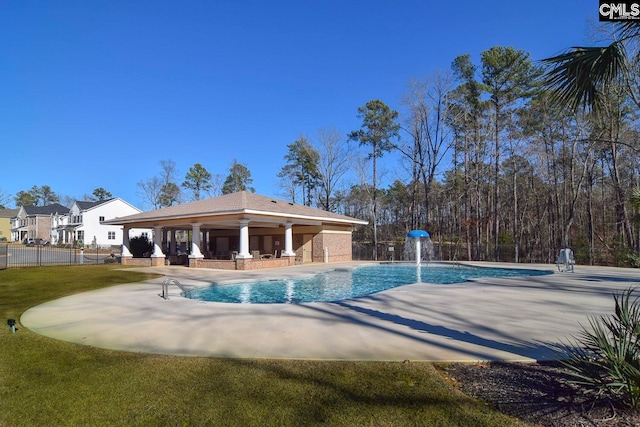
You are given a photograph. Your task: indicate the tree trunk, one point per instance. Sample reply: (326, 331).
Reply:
(375, 208)
(496, 191)
(515, 217)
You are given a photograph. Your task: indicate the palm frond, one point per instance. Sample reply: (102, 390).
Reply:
(628, 29)
(577, 77)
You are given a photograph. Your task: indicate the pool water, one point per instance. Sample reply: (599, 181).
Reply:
(339, 285)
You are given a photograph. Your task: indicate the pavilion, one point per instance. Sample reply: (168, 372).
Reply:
(240, 231)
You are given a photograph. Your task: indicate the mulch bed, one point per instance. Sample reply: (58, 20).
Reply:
(540, 394)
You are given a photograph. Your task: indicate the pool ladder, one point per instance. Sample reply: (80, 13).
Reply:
(456, 263)
(169, 281)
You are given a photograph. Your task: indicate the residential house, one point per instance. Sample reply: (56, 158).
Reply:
(5, 224)
(35, 222)
(82, 225)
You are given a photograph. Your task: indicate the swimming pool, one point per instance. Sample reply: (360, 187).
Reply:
(339, 285)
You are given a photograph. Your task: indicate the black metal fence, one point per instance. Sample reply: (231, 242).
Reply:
(3, 255)
(506, 253)
(18, 255)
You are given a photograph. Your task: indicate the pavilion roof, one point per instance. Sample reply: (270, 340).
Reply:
(233, 204)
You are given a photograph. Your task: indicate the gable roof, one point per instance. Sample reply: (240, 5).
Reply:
(83, 205)
(237, 203)
(8, 213)
(52, 209)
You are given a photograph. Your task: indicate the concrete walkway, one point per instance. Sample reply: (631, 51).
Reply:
(513, 319)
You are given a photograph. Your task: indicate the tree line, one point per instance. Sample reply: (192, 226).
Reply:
(502, 159)
(163, 190)
(156, 192)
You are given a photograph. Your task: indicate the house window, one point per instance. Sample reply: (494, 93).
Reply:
(145, 235)
(111, 235)
(80, 236)
(101, 218)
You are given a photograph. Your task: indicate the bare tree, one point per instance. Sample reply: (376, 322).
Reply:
(431, 139)
(288, 187)
(161, 191)
(4, 199)
(150, 191)
(217, 181)
(335, 157)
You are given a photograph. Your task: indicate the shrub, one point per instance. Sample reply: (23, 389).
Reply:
(634, 260)
(580, 246)
(140, 247)
(606, 356)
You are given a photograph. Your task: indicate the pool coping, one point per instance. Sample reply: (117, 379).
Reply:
(510, 319)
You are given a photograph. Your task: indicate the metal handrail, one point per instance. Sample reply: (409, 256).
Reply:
(169, 281)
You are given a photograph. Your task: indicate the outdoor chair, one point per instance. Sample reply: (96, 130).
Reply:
(565, 261)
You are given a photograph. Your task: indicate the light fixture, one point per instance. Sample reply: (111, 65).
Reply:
(12, 324)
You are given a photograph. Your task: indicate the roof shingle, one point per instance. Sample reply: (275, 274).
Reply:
(241, 202)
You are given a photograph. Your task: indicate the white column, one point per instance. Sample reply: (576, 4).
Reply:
(244, 239)
(125, 242)
(288, 240)
(157, 243)
(195, 242)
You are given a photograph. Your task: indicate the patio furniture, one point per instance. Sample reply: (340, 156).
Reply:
(565, 261)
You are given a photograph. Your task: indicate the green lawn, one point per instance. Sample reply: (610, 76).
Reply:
(49, 382)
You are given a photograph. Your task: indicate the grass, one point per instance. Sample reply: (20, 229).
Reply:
(49, 382)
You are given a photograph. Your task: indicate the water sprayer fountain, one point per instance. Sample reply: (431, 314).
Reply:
(415, 249)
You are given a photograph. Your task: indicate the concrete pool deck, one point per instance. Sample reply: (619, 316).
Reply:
(510, 319)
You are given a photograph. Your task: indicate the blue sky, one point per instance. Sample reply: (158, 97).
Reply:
(97, 93)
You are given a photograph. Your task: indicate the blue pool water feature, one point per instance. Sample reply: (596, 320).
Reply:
(413, 247)
(345, 284)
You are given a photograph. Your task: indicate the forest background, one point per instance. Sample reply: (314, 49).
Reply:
(491, 167)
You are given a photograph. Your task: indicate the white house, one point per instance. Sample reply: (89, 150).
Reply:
(83, 224)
